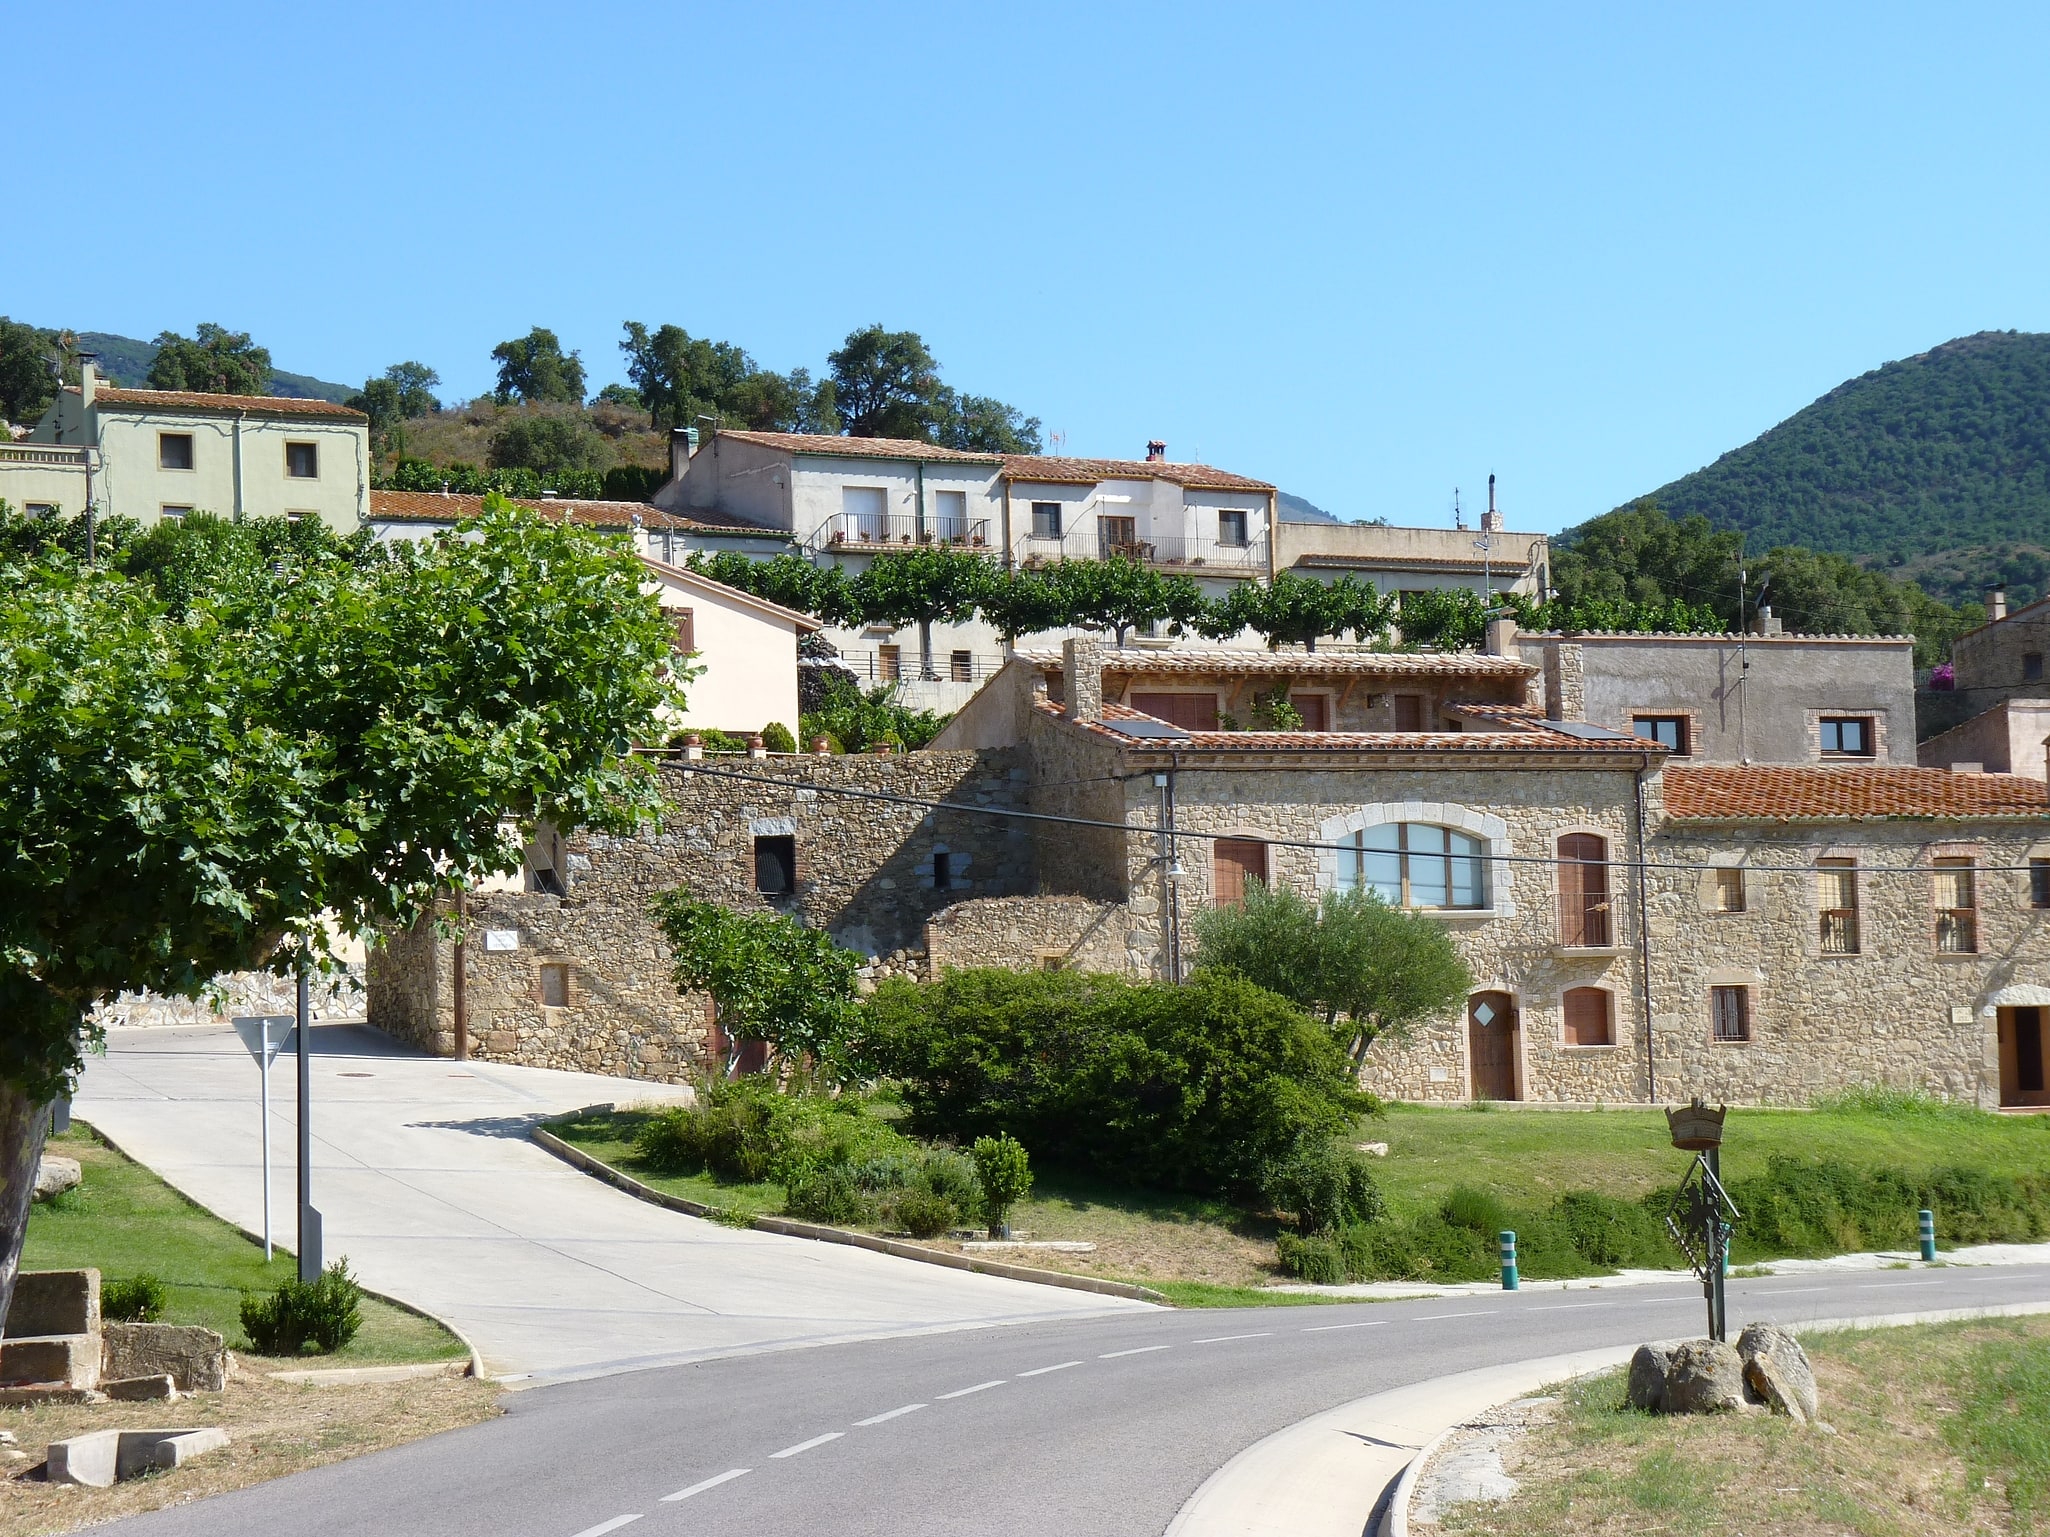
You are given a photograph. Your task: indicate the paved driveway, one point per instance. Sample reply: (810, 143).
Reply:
(427, 1182)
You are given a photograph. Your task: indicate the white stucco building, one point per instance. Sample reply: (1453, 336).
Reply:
(153, 454)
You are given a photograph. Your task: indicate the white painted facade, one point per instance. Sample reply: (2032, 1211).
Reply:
(746, 650)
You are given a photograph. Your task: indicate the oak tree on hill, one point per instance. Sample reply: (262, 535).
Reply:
(534, 368)
(215, 361)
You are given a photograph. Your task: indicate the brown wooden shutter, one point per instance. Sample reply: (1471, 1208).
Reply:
(1409, 712)
(1587, 1017)
(685, 621)
(1237, 860)
(1583, 891)
(1192, 712)
(1315, 710)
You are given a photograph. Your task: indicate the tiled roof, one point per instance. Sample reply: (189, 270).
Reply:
(858, 448)
(451, 507)
(1460, 742)
(1204, 661)
(195, 400)
(1761, 794)
(1719, 637)
(1049, 470)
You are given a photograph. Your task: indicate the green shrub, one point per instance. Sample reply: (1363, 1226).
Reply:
(1004, 1171)
(1203, 1086)
(776, 737)
(1881, 1099)
(825, 1192)
(1316, 1259)
(744, 1129)
(1323, 1186)
(923, 1214)
(1803, 1208)
(951, 1176)
(325, 1313)
(1615, 1234)
(139, 1299)
(1476, 1209)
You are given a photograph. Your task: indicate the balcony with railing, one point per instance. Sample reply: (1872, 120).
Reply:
(56, 456)
(1166, 552)
(903, 664)
(866, 531)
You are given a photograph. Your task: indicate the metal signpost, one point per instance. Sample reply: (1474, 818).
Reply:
(1701, 1212)
(309, 1219)
(257, 1035)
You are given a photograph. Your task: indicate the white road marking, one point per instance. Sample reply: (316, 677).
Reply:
(805, 1446)
(1112, 1355)
(1041, 1371)
(877, 1419)
(1871, 1286)
(994, 1382)
(606, 1526)
(1223, 1339)
(1372, 1323)
(1784, 1291)
(1555, 1307)
(711, 1483)
(1480, 1313)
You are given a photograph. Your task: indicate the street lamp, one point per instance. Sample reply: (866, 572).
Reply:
(1701, 1212)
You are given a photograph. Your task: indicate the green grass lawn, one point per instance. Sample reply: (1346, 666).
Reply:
(1529, 1157)
(123, 1220)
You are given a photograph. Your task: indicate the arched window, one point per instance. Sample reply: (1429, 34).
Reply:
(1584, 892)
(1417, 864)
(1589, 1021)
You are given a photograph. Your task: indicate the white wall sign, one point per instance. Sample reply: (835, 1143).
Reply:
(501, 939)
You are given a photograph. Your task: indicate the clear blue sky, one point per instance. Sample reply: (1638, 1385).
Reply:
(1369, 253)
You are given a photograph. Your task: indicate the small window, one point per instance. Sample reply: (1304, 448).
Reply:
(1046, 520)
(2039, 883)
(554, 987)
(1584, 892)
(685, 623)
(1836, 903)
(1237, 861)
(1957, 915)
(2032, 666)
(40, 509)
(1589, 1021)
(174, 450)
(776, 864)
(1669, 731)
(302, 461)
(1052, 960)
(1729, 890)
(942, 870)
(300, 514)
(1730, 1009)
(1231, 528)
(176, 512)
(1409, 712)
(889, 663)
(961, 667)
(1846, 736)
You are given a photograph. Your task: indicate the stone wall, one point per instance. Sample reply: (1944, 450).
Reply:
(1034, 933)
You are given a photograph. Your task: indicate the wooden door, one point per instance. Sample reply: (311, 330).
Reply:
(1583, 891)
(2022, 1080)
(1237, 860)
(1192, 712)
(1409, 712)
(1491, 1043)
(1315, 710)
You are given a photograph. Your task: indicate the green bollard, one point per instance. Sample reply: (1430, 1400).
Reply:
(1928, 1227)
(1507, 1238)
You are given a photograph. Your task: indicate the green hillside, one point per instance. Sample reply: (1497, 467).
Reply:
(126, 361)
(1936, 467)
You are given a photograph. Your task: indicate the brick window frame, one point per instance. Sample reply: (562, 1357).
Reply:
(1874, 717)
(1690, 727)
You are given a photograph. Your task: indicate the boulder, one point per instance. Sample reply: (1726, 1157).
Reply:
(1648, 1379)
(56, 1175)
(1704, 1377)
(140, 1389)
(195, 1359)
(1777, 1369)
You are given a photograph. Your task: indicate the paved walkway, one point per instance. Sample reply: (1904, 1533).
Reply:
(427, 1182)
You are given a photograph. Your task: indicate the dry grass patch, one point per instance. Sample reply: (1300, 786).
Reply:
(1939, 1429)
(276, 1428)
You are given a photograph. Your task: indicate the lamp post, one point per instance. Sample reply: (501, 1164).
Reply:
(309, 1219)
(1698, 1208)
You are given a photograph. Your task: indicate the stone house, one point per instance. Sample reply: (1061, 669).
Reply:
(1997, 715)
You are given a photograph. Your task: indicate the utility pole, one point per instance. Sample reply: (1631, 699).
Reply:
(309, 1219)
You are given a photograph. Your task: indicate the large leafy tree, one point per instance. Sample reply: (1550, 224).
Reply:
(214, 361)
(983, 424)
(534, 368)
(791, 580)
(1301, 611)
(925, 587)
(398, 395)
(192, 773)
(886, 384)
(1367, 968)
(29, 362)
(1120, 594)
(552, 446)
(681, 377)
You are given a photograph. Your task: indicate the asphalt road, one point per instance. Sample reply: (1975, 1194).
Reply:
(1066, 1429)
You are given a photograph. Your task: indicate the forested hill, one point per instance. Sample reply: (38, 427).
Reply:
(126, 360)
(1936, 467)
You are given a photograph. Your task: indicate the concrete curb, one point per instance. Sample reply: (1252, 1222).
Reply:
(476, 1363)
(786, 1227)
(1395, 1521)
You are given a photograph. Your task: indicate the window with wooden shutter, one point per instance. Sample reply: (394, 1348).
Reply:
(1589, 1021)
(1409, 712)
(1192, 712)
(1730, 1013)
(1729, 890)
(1836, 900)
(1237, 860)
(685, 622)
(1957, 917)
(889, 663)
(1584, 892)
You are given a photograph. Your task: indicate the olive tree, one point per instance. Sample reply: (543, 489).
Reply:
(186, 790)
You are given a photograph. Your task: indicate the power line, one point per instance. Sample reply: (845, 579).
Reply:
(963, 809)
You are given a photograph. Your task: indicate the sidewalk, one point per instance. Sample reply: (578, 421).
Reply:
(427, 1182)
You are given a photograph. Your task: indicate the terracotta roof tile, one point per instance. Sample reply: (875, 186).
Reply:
(858, 448)
(451, 507)
(195, 400)
(1459, 742)
(1047, 469)
(1187, 661)
(1765, 794)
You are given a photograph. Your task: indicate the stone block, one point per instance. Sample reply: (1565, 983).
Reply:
(55, 1175)
(54, 1302)
(1777, 1370)
(1704, 1377)
(194, 1358)
(140, 1389)
(1648, 1379)
(104, 1457)
(70, 1359)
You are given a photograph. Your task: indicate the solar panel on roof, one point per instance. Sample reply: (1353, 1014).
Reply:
(1586, 732)
(1149, 730)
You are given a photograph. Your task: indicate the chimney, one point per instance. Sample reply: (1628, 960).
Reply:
(88, 384)
(1156, 451)
(1491, 520)
(1082, 680)
(1501, 638)
(1766, 623)
(1996, 603)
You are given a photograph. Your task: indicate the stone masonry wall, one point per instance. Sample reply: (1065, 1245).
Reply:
(1031, 933)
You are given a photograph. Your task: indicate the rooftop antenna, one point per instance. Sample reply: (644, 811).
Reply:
(1458, 517)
